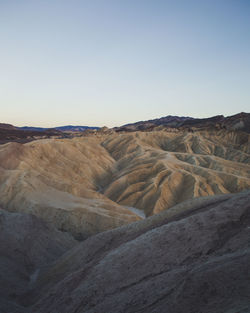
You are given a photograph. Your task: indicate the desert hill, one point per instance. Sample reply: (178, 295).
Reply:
(90, 184)
(7, 126)
(196, 262)
(193, 257)
(58, 181)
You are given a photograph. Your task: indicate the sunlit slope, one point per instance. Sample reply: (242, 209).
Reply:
(58, 180)
(156, 170)
(90, 184)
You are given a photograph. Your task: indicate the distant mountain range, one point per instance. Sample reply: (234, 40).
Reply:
(170, 121)
(240, 121)
(67, 128)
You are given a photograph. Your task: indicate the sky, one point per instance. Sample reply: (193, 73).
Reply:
(111, 62)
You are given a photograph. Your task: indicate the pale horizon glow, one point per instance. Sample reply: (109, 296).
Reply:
(115, 62)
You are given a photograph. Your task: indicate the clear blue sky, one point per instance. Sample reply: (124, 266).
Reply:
(110, 62)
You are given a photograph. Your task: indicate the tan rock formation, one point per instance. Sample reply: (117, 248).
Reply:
(94, 183)
(59, 180)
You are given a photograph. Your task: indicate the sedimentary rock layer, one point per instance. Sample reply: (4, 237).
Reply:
(94, 183)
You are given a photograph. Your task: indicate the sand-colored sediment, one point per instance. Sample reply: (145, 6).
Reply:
(87, 185)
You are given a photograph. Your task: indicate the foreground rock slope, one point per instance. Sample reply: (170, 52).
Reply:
(191, 258)
(27, 244)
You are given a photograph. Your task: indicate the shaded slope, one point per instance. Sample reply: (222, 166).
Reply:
(27, 244)
(193, 258)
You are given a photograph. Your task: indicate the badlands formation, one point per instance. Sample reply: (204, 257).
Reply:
(154, 221)
(90, 184)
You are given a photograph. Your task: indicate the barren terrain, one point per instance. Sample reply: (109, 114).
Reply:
(191, 258)
(140, 221)
(99, 181)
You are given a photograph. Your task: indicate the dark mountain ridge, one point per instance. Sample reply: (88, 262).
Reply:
(240, 121)
(14, 134)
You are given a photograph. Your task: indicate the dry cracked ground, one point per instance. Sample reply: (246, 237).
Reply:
(68, 244)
